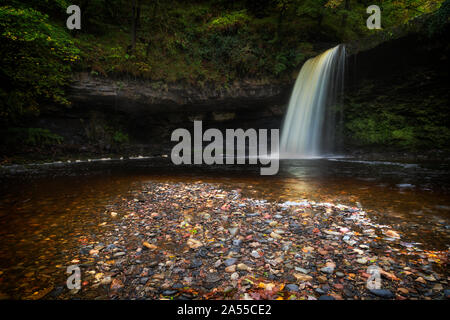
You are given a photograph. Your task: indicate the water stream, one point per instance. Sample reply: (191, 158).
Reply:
(309, 126)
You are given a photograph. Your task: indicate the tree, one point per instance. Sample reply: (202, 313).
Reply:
(35, 62)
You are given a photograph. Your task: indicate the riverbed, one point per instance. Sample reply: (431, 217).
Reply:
(63, 214)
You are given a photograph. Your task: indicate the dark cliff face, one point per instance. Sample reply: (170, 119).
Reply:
(397, 96)
(397, 58)
(136, 96)
(148, 112)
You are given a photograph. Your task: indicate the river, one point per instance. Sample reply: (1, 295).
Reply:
(46, 211)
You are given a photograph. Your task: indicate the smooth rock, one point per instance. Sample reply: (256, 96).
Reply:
(234, 276)
(383, 293)
(233, 231)
(326, 298)
(230, 269)
(230, 261)
(242, 267)
(292, 287)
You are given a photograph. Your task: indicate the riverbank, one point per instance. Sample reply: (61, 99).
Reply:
(69, 154)
(68, 164)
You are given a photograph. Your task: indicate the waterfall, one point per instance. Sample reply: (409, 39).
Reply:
(309, 126)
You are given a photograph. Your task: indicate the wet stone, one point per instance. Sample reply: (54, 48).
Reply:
(196, 263)
(230, 261)
(447, 293)
(348, 293)
(143, 280)
(169, 292)
(328, 270)
(383, 293)
(237, 243)
(250, 215)
(292, 287)
(211, 278)
(202, 252)
(233, 231)
(326, 298)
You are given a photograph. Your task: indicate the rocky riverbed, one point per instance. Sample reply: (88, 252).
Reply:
(198, 240)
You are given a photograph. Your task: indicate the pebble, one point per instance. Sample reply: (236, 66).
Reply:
(106, 280)
(421, 280)
(301, 270)
(119, 254)
(292, 287)
(328, 270)
(230, 261)
(194, 244)
(169, 292)
(230, 269)
(326, 298)
(383, 293)
(403, 290)
(237, 243)
(116, 284)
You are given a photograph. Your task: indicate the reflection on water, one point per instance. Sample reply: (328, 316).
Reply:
(44, 218)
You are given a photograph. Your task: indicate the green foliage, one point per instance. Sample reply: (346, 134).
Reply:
(401, 117)
(313, 8)
(383, 128)
(230, 22)
(57, 7)
(221, 41)
(389, 129)
(120, 138)
(35, 62)
(35, 137)
(400, 12)
(197, 42)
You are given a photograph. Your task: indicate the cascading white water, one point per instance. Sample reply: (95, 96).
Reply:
(309, 126)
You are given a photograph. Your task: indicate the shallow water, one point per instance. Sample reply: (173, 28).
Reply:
(44, 214)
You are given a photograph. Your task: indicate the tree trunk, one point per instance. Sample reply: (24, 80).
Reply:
(280, 21)
(136, 11)
(138, 15)
(320, 20)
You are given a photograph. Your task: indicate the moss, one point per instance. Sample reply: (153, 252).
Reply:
(410, 115)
